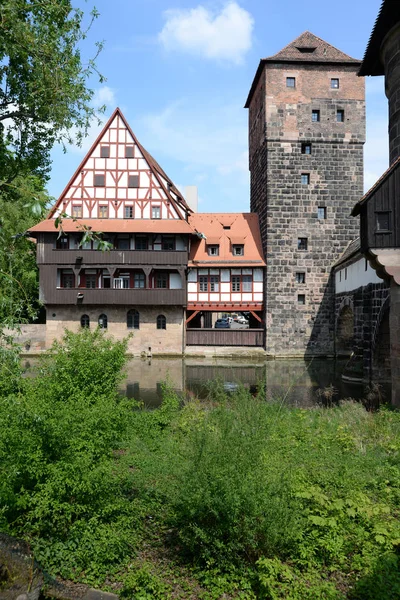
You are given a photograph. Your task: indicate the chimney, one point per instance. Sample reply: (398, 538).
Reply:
(191, 196)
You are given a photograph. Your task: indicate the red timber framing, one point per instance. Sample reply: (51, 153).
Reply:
(119, 173)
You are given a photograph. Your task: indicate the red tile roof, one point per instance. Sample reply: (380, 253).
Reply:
(226, 229)
(116, 226)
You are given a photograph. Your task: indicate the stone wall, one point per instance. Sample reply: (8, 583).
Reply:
(31, 337)
(288, 209)
(146, 339)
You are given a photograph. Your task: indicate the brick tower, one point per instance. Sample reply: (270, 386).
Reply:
(306, 135)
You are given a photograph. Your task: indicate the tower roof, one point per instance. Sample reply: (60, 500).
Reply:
(388, 17)
(305, 49)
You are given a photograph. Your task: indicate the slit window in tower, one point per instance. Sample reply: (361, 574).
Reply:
(302, 243)
(315, 116)
(300, 277)
(335, 84)
(340, 115)
(290, 82)
(305, 178)
(306, 148)
(321, 213)
(301, 299)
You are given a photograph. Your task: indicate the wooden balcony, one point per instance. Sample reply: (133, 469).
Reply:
(129, 297)
(50, 256)
(225, 337)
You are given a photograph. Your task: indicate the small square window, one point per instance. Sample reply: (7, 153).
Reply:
(77, 211)
(382, 221)
(99, 180)
(301, 299)
(302, 243)
(238, 250)
(133, 181)
(213, 250)
(128, 213)
(105, 151)
(321, 213)
(315, 116)
(290, 82)
(156, 212)
(103, 212)
(306, 148)
(340, 116)
(128, 151)
(305, 178)
(300, 277)
(335, 84)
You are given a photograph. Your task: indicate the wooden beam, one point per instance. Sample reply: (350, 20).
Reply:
(196, 312)
(259, 319)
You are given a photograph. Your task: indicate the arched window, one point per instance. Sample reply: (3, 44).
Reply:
(85, 321)
(132, 319)
(103, 321)
(161, 322)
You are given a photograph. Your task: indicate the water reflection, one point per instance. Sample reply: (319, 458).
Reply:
(296, 382)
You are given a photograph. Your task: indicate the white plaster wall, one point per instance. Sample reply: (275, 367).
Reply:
(357, 276)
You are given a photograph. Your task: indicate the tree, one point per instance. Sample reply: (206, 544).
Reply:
(43, 83)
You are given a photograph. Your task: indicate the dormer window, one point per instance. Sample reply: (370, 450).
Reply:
(105, 152)
(213, 250)
(306, 49)
(238, 249)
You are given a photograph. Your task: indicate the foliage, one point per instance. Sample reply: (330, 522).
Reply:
(234, 498)
(43, 82)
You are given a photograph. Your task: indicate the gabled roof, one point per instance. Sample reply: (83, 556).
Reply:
(388, 17)
(357, 208)
(307, 48)
(224, 230)
(173, 194)
(353, 248)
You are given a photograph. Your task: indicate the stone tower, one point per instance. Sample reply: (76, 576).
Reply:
(306, 135)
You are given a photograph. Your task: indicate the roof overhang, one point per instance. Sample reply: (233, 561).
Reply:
(167, 226)
(387, 19)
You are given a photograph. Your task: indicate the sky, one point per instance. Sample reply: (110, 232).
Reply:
(180, 71)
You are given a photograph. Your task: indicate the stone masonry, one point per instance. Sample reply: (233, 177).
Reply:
(306, 175)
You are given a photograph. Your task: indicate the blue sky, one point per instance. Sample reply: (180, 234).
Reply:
(180, 70)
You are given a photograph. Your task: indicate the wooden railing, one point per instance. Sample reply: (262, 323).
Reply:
(225, 337)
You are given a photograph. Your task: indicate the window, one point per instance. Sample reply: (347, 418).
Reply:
(345, 273)
(161, 280)
(133, 181)
(132, 319)
(213, 250)
(340, 115)
(128, 151)
(122, 242)
(168, 243)
(306, 49)
(128, 212)
(335, 84)
(203, 283)
(156, 212)
(290, 82)
(141, 243)
(67, 279)
(247, 283)
(305, 178)
(302, 243)
(238, 250)
(301, 299)
(366, 265)
(77, 211)
(235, 283)
(99, 180)
(315, 116)
(214, 283)
(105, 280)
(321, 213)
(306, 148)
(122, 281)
(62, 243)
(103, 321)
(138, 280)
(382, 221)
(161, 322)
(300, 277)
(103, 212)
(91, 281)
(85, 321)
(105, 151)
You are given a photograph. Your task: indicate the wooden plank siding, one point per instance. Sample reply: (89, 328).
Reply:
(225, 337)
(133, 258)
(384, 199)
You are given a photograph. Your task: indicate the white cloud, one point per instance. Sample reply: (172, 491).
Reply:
(104, 95)
(224, 36)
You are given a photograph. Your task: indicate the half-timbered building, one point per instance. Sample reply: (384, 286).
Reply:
(120, 192)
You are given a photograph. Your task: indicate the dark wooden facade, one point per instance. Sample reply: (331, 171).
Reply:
(378, 207)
